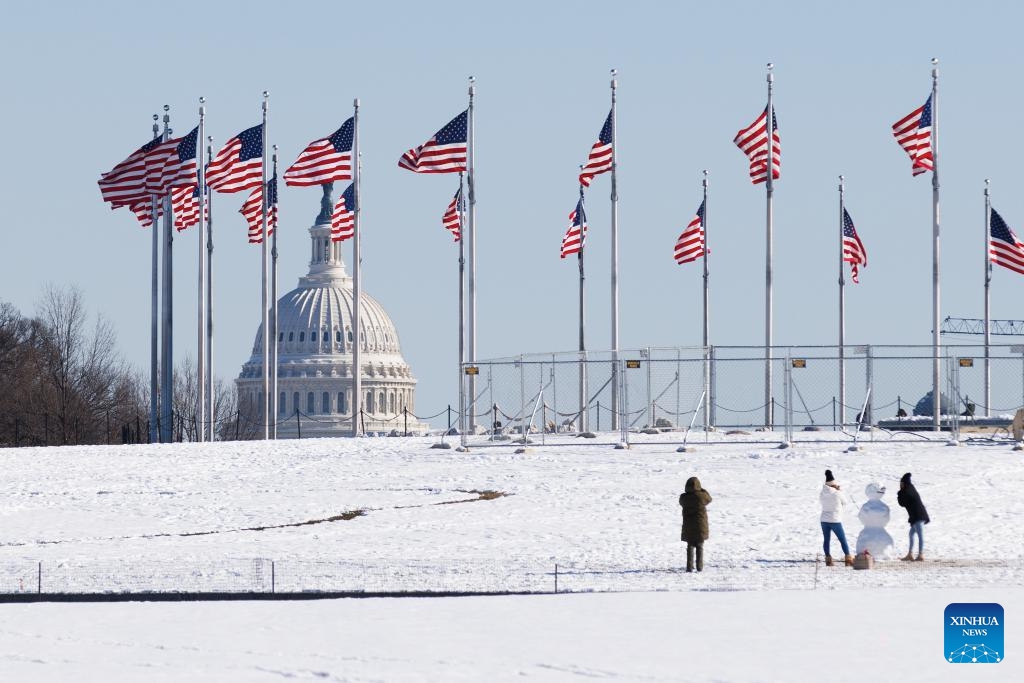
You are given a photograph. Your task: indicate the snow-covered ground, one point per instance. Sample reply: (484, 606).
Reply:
(228, 516)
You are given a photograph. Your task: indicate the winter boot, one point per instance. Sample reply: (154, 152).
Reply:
(828, 560)
(689, 557)
(700, 558)
(919, 558)
(908, 557)
(848, 560)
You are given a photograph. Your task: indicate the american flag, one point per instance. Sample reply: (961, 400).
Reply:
(172, 164)
(1004, 248)
(239, 164)
(690, 245)
(452, 220)
(914, 133)
(125, 184)
(853, 249)
(253, 211)
(324, 160)
(343, 220)
(184, 204)
(576, 235)
(443, 153)
(600, 159)
(186, 210)
(753, 141)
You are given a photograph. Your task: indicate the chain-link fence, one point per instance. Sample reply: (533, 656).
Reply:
(261, 576)
(796, 390)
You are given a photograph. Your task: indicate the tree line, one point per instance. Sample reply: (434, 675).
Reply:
(64, 381)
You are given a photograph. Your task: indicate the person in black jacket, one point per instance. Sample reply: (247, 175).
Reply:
(909, 498)
(695, 521)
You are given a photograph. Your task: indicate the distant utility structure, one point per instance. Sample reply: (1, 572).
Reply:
(977, 326)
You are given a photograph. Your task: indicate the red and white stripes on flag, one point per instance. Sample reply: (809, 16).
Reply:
(600, 159)
(446, 152)
(324, 160)
(184, 204)
(252, 210)
(343, 220)
(690, 245)
(1004, 248)
(854, 252)
(576, 235)
(239, 163)
(125, 184)
(753, 141)
(452, 220)
(914, 133)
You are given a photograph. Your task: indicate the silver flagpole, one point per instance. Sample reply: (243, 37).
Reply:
(583, 322)
(461, 208)
(842, 314)
(265, 291)
(201, 304)
(707, 306)
(154, 329)
(769, 189)
(357, 258)
(988, 282)
(936, 369)
(275, 410)
(615, 255)
(167, 364)
(471, 248)
(211, 407)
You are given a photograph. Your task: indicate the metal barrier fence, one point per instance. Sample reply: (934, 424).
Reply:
(664, 390)
(309, 577)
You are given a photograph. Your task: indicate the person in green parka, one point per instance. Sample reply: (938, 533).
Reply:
(694, 502)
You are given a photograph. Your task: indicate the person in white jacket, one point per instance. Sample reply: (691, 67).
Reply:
(832, 504)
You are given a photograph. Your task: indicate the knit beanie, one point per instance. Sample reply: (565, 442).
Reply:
(828, 476)
(905, 479)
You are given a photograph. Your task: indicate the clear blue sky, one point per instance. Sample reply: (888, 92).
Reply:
(81, 81)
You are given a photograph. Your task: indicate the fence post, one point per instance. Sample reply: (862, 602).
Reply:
(108, 427)
(449, 420)
(598, 416)
(405, 410)
(273, 578)
(833, 413)
(39, 581)
(556, 578)
(298, 423)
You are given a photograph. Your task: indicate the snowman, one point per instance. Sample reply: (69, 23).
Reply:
(874, 515)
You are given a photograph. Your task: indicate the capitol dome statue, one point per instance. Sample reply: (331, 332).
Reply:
(315, 339)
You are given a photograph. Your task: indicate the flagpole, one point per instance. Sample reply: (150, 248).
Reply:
(936, 370)
(471, 248)
(769, 187)
(842, 313)
(167, 364)
(357, 258)
(707, 304)
(154, 362)
(275, 410)
(581, 217)
(988, 282)
(615, 257)
(461, 208)
(265, 292)
(208, 209)
(201, 304)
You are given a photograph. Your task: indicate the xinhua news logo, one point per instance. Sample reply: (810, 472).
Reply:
(974, 633)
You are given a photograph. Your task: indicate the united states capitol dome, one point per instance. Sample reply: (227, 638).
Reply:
(314, 346)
